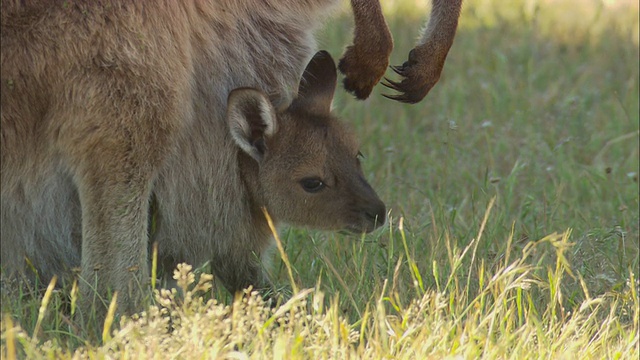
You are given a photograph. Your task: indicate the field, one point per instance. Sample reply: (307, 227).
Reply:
(513, 230)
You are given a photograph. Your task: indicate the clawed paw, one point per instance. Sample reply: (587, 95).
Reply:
(362, 70)
(418, 76)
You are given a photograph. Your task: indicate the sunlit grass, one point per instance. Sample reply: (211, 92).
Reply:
(504, 319)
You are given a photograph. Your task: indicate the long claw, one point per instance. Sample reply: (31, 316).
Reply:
(392, 97)
(406, 92)
(391, 84)
(400, 97)
(397, 86)
(398, 69)
(404, 97)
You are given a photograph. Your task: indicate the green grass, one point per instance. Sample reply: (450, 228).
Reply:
(515, 182)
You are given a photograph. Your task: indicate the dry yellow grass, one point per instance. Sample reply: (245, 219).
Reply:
(500, 322)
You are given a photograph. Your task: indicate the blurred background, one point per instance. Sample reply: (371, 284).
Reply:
(537, 106)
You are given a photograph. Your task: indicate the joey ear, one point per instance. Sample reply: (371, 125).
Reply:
(251, 119)
(318, 84)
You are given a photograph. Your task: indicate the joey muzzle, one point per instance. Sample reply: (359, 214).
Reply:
(375, 215)
(373, 211)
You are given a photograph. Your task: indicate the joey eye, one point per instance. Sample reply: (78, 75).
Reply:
(312, 185)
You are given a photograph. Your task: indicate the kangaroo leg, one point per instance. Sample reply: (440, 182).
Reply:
(114, 236)
(426, 61)
(365, 62)
(240, 272)
(115, 153)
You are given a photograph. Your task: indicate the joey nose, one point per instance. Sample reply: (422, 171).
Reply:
(376, 213)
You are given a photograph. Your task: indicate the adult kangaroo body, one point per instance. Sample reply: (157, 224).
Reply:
(105, 103)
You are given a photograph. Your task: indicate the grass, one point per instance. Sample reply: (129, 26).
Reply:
(513, 229)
